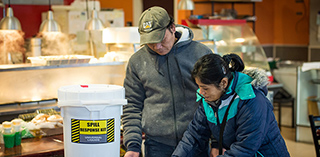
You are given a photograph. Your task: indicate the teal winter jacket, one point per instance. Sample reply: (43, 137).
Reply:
(251, 128)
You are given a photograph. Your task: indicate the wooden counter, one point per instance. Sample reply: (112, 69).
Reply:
(36, 147)
(39, 147)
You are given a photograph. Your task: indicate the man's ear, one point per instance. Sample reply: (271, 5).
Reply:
(173, 28)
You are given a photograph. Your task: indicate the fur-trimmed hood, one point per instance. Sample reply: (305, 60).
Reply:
(259, 76)
(246, 81)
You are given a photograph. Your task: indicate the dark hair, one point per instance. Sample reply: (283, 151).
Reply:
(212, 68)
(170, 23)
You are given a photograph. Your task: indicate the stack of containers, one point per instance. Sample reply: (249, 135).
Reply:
(11, 133)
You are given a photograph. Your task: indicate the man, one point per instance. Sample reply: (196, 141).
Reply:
(159, 88)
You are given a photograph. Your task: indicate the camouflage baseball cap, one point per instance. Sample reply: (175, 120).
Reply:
(152, 25)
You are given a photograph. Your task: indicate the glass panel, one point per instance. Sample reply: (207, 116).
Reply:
(235, 38)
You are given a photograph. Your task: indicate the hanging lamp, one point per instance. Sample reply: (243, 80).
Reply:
(49, 25)
(186, 5)
(10, 22)
(94, 23)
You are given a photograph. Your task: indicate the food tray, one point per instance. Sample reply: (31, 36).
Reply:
(60, 60)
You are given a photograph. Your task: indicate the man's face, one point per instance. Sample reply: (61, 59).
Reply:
(166, 44)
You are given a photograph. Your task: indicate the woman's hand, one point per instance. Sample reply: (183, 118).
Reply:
(133, 154)
(215, 152)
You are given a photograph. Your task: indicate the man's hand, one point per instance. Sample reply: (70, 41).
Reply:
(136, 154)
(215, 152)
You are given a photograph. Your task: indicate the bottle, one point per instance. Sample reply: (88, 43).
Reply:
(8, 135)
(35, 44)
(17, 133)
(1, 136)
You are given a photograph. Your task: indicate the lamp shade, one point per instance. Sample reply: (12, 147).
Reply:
(10, 22)
(94, 23)
(50, 25)
(186, 5)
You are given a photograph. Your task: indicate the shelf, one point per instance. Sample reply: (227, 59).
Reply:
(236, 0)
(215, 22)
(232, 7)
(315, 100)
(315, 81)
(230, 1)
(237, 48)
(251, 20)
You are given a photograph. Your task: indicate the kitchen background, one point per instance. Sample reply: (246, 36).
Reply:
(287, 29)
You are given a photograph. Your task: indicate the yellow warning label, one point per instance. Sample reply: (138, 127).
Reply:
(110, 136)
(92, 131)
(75, 134)
(93, 127)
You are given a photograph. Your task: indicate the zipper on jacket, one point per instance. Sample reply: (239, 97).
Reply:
(173, 103)
(215, 110)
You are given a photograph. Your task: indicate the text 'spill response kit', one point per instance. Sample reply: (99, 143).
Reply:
(91, 119)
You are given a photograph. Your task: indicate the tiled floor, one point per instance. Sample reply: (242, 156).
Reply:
(297, 149)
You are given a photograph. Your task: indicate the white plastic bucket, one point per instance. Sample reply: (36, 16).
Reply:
(91, 119)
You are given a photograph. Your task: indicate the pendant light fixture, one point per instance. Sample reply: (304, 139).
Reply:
(186, 5)
(10, 22)
(94, 23)
(49, 25)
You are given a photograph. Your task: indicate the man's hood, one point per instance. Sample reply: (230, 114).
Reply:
(183, 33)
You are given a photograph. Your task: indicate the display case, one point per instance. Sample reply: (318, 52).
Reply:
(40, 79)
(26, 83)
(26, 88)
(231, 36)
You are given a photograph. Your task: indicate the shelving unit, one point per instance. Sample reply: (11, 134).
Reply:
(308, 93)
(233, 2)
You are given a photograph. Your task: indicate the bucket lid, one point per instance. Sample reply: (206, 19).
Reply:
(91, 94)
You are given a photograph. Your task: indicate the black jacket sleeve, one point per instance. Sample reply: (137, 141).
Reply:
(195, 138)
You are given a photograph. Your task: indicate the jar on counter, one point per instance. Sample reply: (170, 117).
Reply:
(16, 123)
(8, 134)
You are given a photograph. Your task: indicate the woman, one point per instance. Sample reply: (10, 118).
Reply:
(250, 128)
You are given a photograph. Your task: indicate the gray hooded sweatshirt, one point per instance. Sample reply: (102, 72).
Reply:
(161, 92)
